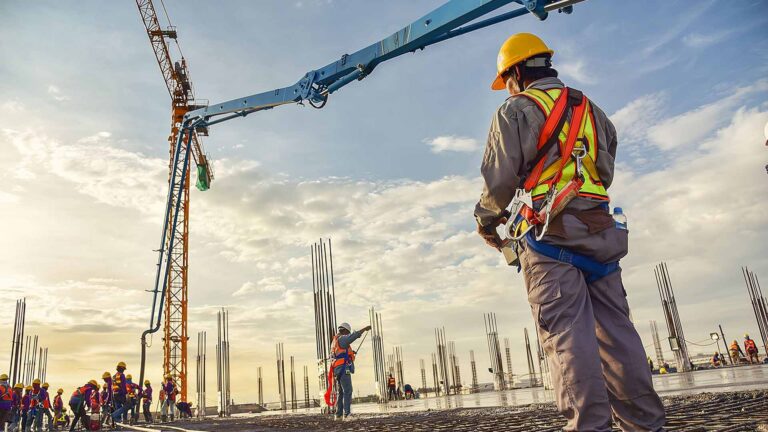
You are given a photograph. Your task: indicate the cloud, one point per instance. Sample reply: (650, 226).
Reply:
(693, 126)
(633, 120)
(56, 94)
(577, 70)
(445, 143)
(700, 40)
(268, 284)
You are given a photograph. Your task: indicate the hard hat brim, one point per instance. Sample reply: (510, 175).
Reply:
(498, 83)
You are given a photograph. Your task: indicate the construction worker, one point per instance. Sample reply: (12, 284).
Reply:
(120, 394)
(79, 401)
(16, 406)
(169, 404)
(131, 400)
(58, 404)
(408, 392)
(715, 360)
(26, 400)
(751, 348)
(6, 400)
(570, 269)
(146, 399)
(44, 408)
(391, 387)
(650, 364)
(343, 367)
(736, 352)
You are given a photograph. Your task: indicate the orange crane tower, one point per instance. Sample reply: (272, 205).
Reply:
(176, 78)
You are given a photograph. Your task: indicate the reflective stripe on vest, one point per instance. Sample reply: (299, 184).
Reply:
(341, 355)
(592, 187)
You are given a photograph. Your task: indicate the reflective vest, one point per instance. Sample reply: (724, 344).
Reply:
(80, 392)
(543, 173)
(342, 356)
(390, 382)
(57, 402)
(6, 393)
(750, 346)
(34, 398)
(734, 346)
(119, 383)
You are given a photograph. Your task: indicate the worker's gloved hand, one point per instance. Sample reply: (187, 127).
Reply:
(488, 232)
(366, 328)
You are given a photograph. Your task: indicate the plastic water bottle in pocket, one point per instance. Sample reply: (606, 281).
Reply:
(620, 218)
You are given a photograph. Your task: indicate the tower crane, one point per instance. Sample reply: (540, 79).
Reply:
(452, 19)
(176, 76)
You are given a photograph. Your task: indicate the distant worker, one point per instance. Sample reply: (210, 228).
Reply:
(391, 387)
(751, 348)
(17, 399)
(408, 391)
(184, 409)
(146, 401)
(169, 404)
(6, 400)
(45, 407)
(715, 360)
(650, 364)
(79, 402)
(131, 410)
(119, 394)
(58, 404)
(570, 260)
(26, 401)
(343, 367)
(736, 352)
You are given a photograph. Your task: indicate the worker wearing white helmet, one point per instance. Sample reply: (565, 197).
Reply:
(343, 367)
(550, 159)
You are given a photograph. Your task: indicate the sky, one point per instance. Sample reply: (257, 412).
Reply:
(389, 170)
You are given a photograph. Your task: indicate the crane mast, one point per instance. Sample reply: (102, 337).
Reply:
(176, 77)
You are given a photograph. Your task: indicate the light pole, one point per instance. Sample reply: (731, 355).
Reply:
(716, 337)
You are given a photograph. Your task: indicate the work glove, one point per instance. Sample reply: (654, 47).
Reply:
(366, 328)
(488, 232)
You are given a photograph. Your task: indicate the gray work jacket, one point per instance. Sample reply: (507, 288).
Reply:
(511, 149)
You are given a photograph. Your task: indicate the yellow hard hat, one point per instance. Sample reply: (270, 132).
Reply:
(122, 365)
(106, 375)
(19, 386)
(36, 381)
(146, 382)
(167, 376)
(4, 377)
(128, 376)
(60, 391)
(517, 48)
(746, 335)
(93, 383)
(28, 388)
(46, 385)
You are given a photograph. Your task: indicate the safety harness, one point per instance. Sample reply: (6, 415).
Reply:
(573, 174)
(342, 358)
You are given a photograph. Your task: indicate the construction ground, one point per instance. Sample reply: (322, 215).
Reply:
(730, 411)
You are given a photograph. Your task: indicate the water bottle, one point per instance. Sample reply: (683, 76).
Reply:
(620, 219)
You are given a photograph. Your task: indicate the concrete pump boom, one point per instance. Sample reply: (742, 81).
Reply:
(441, 24)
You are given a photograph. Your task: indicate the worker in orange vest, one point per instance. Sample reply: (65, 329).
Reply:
(343, 367)
(736, 352)
(6, 399)
(751, 349)
(550, 158)
(58, 404)
(391, 387)
(80, 400)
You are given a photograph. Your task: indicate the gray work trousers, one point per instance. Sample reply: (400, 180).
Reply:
(596, 358)
(344, 395)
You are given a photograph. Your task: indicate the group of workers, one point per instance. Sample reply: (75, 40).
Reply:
(395, 392)
(117, 400)
(750, 347)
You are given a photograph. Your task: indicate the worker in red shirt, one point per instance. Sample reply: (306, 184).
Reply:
(45, 407)
(58, 403)
(751, 348)
(169, 388)
(80, 400)
(6, 399)
(16, 406)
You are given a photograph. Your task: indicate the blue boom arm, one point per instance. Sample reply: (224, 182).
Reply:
(442, 23)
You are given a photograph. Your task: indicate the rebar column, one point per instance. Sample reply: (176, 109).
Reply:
(379, 359)
(423, 388)
(672, 316)
(324, 300)
(531, 368)
(657, 343)
(474, 370)
(508, 352)
(494, 350)
(759, 304)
